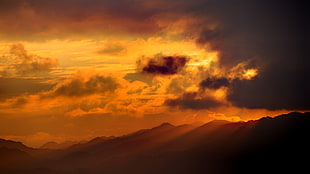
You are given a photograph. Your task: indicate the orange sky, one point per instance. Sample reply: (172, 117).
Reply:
(82, 73)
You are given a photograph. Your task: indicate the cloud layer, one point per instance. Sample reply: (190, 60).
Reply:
(38, 20)
(271, 34)
(192, 100)
(79, 86)
(19, 62)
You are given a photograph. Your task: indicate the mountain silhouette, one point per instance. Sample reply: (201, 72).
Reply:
(55, 145)
(14, 145)
(267, 145)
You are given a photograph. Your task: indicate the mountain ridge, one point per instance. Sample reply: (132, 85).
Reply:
(216, 147)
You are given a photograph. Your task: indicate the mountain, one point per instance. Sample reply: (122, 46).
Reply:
(13, 154)
(14, 145)
(55, 145)
(267, 145)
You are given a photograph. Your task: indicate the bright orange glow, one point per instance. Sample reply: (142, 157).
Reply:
(221, 93)
(78, 78)
(78, 84)
(249, 74)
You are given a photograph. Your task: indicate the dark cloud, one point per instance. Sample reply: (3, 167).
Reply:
(214, 83)
(274, 33)
(277, 90)
(256, 28)
(38, 20)
(79, 87)
(164, 65)
(271, 36)
(192, 100)
(20, 62)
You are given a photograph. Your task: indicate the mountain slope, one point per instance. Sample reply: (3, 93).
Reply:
(267, 145)
(14, 145)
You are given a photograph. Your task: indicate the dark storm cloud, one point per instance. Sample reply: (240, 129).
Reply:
(165, 65)
(274, 33)
(191, 100)
(271, 35)
(277, 90)
(256, 28)
(214, 83)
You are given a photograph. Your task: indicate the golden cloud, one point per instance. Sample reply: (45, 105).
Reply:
(18, 62)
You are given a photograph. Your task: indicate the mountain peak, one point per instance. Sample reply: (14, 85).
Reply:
(216, 123)
(291, 115)
(166, 124)
(11, 144)
(54, 145)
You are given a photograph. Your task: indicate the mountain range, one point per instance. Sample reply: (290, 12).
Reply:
(268, 145)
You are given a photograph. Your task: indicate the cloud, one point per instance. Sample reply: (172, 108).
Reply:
(275, 37)
(192, 100)
(214, 83)
(81, 90)
(37, 20)
(13, 87)
(112, 49)
(163, 65)
(19, 62)
(132, 77)
(79, 86)
(271, 33)
(283, 92)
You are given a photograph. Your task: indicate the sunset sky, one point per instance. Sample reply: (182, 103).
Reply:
(77, 69)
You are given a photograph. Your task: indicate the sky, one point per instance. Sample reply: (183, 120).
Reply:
(77, 69)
